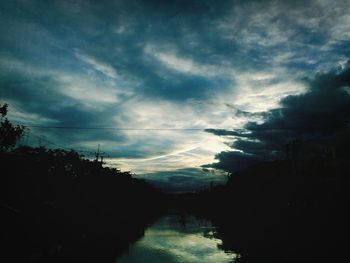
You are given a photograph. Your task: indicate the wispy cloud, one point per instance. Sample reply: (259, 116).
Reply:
(102, 67)
(184, 65)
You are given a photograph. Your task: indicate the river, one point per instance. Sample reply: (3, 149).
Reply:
(178, 238)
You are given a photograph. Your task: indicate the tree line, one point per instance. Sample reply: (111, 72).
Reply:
(58, 206)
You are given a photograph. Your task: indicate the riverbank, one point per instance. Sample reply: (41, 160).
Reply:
(274, 212)
(58, 207)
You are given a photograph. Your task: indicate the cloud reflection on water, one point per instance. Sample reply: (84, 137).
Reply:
(174, 239)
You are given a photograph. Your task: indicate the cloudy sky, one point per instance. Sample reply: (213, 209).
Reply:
(175, 91)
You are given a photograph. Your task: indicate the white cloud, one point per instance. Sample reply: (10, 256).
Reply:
(87, 92)
(19, 115)
(289, 33)
(262, 91)
(174, 61)
(186, 150)
(171, 149)
(254, 91)
(100, 66)
(164, 150)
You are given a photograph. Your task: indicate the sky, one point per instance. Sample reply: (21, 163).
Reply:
(178, 92)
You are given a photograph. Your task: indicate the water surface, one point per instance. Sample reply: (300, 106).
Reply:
(178, 238)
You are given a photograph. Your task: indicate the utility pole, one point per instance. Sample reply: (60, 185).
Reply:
(99, 154)
(40, 141)
(26, 136)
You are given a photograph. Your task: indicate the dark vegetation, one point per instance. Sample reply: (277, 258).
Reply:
(56, 206)
(9, 133)
(292, 210)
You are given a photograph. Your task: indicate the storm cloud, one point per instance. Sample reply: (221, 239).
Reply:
(320, 114)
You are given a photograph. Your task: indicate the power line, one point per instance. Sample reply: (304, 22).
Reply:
(114, 128)
(44, 141)
(159, 129)
(237, 131)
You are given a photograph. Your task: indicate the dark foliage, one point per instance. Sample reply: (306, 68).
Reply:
(59, 207)
(9, 133)
(282, 211)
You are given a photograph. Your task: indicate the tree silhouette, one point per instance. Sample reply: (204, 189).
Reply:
(9, 133)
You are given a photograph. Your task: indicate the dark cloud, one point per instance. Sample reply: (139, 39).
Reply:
(234, 160)
(223, 132)
(41, 96)
(324, 108)
(49, 32)
(319, 115)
